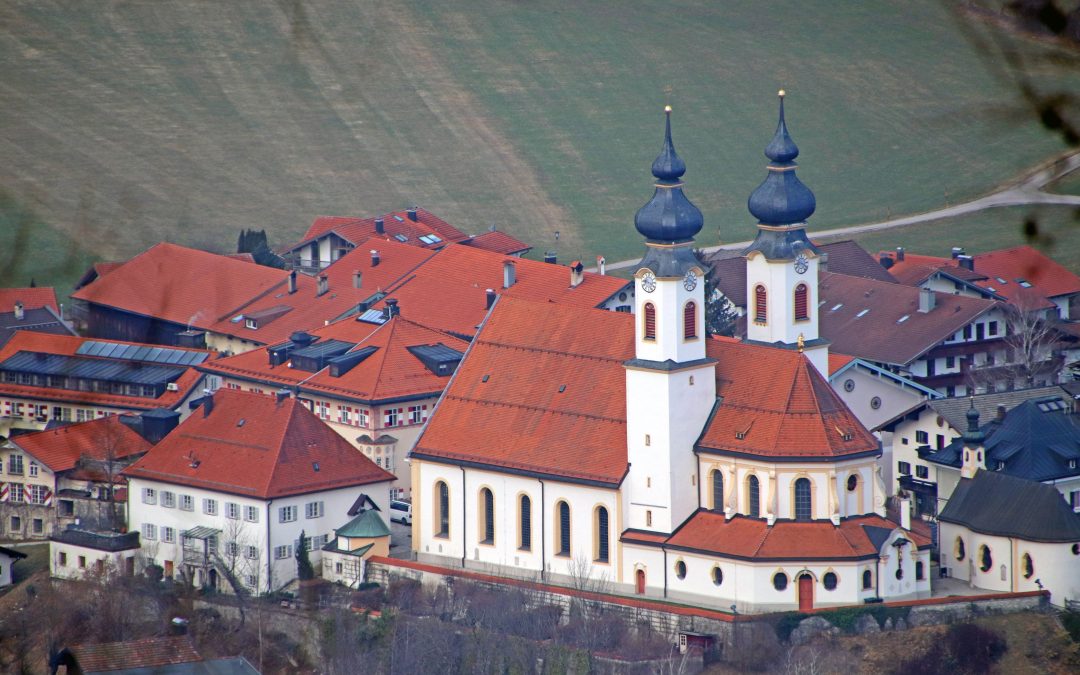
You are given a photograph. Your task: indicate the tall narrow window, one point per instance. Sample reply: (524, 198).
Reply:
(753, 492)
(803, 510)
(717, 490)
(690, 320)
(760, 304)
(601, 535)
(562, 546)
(802, 310)
(650, 321)
(442, 515)
(525, 511)
(488, 516)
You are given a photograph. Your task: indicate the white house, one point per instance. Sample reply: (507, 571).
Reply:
(229, 491)
(8, 557)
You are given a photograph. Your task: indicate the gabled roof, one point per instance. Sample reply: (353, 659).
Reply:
(1046, 276)
(1008, 506)
(31, 343)
(147, 653)
(753, 538)
(1036, 440)
(11, 553)
(954, 409)
(776, 405)
(183, 285)
(60, 449)
(256, 446)
(881, 322)
(35, 297)
(41, 320)
(398, 223)
(837, 361)
(497, 241)
(449, 291)
(844, 363)
(367, 524)
(390, 372)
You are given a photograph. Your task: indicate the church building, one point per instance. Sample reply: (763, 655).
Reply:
(639, 452)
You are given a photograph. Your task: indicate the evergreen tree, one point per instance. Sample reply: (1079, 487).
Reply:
(304, 569)
(720, 314)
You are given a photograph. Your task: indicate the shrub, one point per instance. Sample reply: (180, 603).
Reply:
(1070, 619)
(973, 647)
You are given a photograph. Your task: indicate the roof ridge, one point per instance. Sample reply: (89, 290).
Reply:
(504, 345)
(521, 406)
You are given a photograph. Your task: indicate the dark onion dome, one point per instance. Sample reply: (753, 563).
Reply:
(669, 216)
(973, 436)
(782, 199)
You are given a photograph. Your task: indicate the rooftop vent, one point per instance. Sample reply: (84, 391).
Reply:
(19, 313)
(549, 257)
(411, 213)
(324, 285)
(899, 253)
(489, 298)
(509, 274)
(292, 281)
(357, 279)
(886, 260)
(927, 300)
(966, 261)
(380, 227)
(375, 258)
(392, 308)
(957, 251)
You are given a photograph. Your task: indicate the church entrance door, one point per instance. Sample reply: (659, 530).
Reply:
(806, 593)
(641, 582)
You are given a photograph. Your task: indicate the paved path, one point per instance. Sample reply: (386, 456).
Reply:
(1028, 189)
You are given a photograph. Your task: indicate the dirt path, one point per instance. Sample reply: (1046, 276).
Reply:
(1026, 190)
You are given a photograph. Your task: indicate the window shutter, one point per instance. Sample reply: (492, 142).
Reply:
(760, 304)
(801, 310)
(690, 320)
(650, 321)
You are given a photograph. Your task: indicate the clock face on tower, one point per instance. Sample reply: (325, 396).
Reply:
(648, 282)
(690, 280)
(801, 263)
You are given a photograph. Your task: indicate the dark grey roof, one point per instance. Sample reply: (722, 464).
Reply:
(101, 541)
(1007, 506)
(877, 535)
(669, 261)
(39, 320)
(39, 363)
(438, 358)
(954, 409)
(1037, 440)
(12, 553)
(323, 349)
(129, 352)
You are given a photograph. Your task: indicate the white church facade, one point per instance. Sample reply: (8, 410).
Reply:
(642, 454)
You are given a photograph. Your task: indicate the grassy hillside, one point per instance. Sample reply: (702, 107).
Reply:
(127, 123)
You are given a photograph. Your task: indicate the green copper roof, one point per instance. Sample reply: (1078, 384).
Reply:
(367, 524)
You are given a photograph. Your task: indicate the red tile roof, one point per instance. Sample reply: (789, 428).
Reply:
(60, 449)
(31, 298)
(891, 330)
(148, 653)
(498, 242)
(838, 361)
(776, 405)
(67, 345)
(743, 537)
(357, 229)
(1046, 277)
(256, 446)
(392, 372)
(448, 292)
(183, 285)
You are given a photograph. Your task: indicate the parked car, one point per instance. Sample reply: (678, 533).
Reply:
(401, 511)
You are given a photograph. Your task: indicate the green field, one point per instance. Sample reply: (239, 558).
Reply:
(124, 124)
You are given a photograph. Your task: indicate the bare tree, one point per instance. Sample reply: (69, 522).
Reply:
(1032, 334)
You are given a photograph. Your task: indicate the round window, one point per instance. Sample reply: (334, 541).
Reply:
(875, 402)
(829, 580)
(779, 581)
(717, 576)
(680, 569)
(849, 385)
(852, 483)
(622, 297)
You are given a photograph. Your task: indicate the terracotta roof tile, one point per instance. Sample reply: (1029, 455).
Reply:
(257, 446)
(838, 361)
(1046, 277)
(31, 298)
(397, 223)
(60, 449)
(497, 241)
(148, 653)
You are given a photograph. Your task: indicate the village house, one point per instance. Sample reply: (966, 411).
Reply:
(33, 309)
(222, 501)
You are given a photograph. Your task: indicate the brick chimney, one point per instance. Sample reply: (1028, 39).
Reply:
(577, 273)
(324, 285)
(292, 281)
(357, 279)
(375, 258)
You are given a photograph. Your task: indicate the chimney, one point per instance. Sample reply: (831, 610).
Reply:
(905, 511)
(380, 228)
(292, 281)
(966, 261)
(19, 313)
(509, 274)
(157, 423)
(392, 309)
(374, 258)
(411, 213)
(927, 300)
(1001, 413)
(324, 285)
(577, 273)
(957, 251)
(549, 257)
(886, 260)
(300, 339)
(899, 253)
(601, 264)
(357, 279)
(282, 395)
(208, 404)
(490, 298)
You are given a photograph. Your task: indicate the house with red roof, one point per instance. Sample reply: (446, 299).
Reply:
(634, 448)
(62, 378)
(222, 501)
(33, 309)
(374, 380)
(70, 475)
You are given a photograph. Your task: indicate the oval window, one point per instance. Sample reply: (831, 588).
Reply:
(849, 385)
(960, 553)
(779, 581)
(852, 482)
(680, 569)
(900, 573)
(829, 580)
(986, 561)
(1028, 566)
(717, 576)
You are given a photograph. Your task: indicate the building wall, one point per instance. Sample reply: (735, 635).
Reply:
(5, 570)
(869, 389)
(22, 517)
(81, 561)
(780, 280)
(938, 434)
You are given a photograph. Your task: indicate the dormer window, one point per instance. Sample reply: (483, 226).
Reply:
(251, 323)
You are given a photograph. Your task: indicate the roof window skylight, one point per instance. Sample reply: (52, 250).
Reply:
(836, 307)
(903, 318)
(401, 237)
(862, 313)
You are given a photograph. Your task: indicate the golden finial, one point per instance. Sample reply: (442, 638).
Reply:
(667, 109)
(781, 93)
(801, 342)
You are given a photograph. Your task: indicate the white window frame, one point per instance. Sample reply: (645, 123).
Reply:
(187, 503)
(314, 510)
(251, 514)
(149, 496)
(168, 499)
(232, 510)
(149, 531)
(209, 506)
(283, 552)
(251, 552)
(168, 535)
(287, 514)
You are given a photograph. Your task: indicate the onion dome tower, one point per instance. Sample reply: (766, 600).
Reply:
(974, 457)
(782, 263)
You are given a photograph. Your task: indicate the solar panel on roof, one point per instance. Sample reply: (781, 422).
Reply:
(118, 350)
(372, 316)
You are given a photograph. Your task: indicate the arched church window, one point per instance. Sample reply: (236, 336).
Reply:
(959, 551)
(601, 536)
(717, 490)
(760, 304)
(802, 309)
(1027, 566)
(562, 542)
(487, 524)
(690, 321)
(867, 580)
(442, 515)
(986, 561)
(650, 321)
(525, 518)
(753, 491)
(803, 509)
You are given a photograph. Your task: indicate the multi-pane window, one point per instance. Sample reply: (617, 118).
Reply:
(313, 510)
(15, 493)
(82, 415)
(717, 490)
(286, 514)
(251, 514)
(690, 321)
(802, 308)
(38, 494)
(443, 516)
(15, 465)
(487, 526)
(149, 531)
(232, 510)
(753, 492)
(149, 496)
(525, 514)
(209, 507)
(922, 437)
(344, 414)
(904, 468)
(187, 503)
(417, 414)
(393, 417)
(283, 552)
(232, 549)
(168, 499)
(318, 541)
(322, 409)
(601, 538)
(650, 321)
(803, 509)
(33, 469)
(363, 417)
(562, 543)
(168, 534)
(251, 552)
(761, 304)
(922, 471)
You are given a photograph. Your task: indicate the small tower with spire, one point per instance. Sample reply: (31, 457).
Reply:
(974, 457)
(670, 384)
(782, 263)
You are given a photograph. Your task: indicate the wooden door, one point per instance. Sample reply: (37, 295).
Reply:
(641, 582)
(806, 593)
